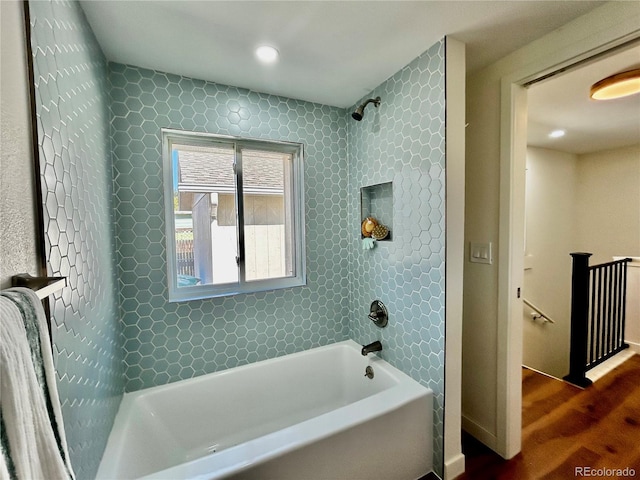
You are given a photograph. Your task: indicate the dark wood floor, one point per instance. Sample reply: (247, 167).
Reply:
(564, 427)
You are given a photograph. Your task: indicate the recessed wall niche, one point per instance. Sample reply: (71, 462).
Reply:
(377, 201)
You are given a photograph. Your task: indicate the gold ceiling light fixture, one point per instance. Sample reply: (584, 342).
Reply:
(619, 85)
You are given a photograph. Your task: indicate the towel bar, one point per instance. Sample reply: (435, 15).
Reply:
(43, 286)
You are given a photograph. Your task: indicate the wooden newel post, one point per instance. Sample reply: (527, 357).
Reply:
(579, 320)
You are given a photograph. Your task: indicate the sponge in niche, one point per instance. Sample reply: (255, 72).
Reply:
(380, 232)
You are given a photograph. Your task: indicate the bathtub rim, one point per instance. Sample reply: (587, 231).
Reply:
(267, 447)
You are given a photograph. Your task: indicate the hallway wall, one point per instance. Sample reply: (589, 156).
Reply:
(491, 342)
(608, 204)
(551, 196)
(574, 203)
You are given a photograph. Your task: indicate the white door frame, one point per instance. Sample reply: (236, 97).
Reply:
(513, 142)
(510, 273)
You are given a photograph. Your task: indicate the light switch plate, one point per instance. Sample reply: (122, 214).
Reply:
(480, 253)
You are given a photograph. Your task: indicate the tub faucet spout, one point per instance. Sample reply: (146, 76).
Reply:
(372, 347)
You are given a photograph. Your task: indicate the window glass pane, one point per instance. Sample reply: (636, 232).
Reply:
(205, 214)
(210, 255)
(268, 214)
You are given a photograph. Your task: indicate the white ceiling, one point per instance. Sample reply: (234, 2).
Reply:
(563, 102)
(331, 52)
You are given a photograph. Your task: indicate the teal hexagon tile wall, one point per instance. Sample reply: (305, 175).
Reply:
(166, 341)
(403, 141)
(73, 133)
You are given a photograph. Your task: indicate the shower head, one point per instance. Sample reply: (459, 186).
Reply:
(359, 112)
(357, 115)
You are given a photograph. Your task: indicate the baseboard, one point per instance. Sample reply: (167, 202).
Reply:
(454, 467)
(479, 433)
(605, 367)
(634, 346)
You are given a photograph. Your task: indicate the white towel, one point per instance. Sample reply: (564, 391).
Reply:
(34, 446)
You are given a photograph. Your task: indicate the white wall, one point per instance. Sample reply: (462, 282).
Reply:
(480, 298)
(608, 204)
(632, 325)
(455, 186)
(574, 203)
(491, 393)
(18, 232)
(550, 224)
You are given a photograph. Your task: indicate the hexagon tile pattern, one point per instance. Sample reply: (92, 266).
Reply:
(403, 141)
(73, 133)
(165, 342)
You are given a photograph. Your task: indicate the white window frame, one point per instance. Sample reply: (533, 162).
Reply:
(196, 292)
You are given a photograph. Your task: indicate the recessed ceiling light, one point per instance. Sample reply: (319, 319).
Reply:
(267, 53)
(617, 86)
(557, 133)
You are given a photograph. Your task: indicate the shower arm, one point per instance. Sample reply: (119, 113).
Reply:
(375, 101)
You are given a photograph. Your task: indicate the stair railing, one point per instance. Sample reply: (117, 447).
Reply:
(538, 314)
(598, 309)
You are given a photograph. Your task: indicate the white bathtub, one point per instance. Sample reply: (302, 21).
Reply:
(310, 415)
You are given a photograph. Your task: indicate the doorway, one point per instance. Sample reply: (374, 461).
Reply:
(510, 272)
(577, 149)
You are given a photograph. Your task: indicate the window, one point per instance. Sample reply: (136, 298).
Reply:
(234, 215)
